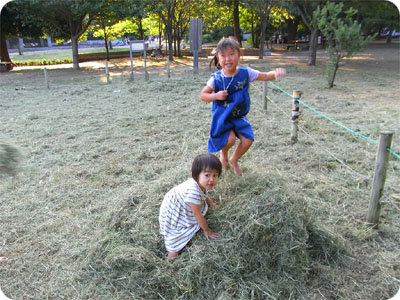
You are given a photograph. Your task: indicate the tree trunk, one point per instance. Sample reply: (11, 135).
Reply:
(263, 28)
(178, 41)
(312, 53)
(236, 22)
(106, 43)
(140, 29)
(107, 52)
(75, 58)
(264, 22)
(307, 18)
(170, 43)
(160, 35)
(253, 35)
(292, 29)
(76, 30)
(335, 68)
(389, 37)
(5, 56)
(170, 35)
(175, 47)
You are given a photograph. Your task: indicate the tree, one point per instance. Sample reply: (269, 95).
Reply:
(377, 17)
(305, 10)
(138, 11)
(181, 21)
(166, 10)
(236, 21)
(343, 35)
(109, 13)
(16, 20)
(67, 19)
(262, 10)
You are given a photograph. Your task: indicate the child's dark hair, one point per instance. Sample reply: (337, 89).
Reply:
(205, 162)
(229, 42)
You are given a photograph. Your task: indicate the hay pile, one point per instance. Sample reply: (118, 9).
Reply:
(263, 251)
(10, 158)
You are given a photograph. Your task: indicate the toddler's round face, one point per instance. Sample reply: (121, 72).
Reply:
(207, 179)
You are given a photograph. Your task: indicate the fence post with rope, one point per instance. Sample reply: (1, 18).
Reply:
(382, 158)
(381, 162)
(295, 114)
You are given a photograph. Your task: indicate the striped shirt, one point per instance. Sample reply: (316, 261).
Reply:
(178, 224)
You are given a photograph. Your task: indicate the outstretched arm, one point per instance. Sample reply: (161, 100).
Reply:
(272, 75)
(196, 209)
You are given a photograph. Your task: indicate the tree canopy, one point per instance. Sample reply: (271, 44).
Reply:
(72, 19)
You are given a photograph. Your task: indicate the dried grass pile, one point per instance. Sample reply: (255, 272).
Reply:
(264, 250)
(10, 158)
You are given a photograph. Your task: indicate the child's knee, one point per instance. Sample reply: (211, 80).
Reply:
(247, 142)
(231, 140)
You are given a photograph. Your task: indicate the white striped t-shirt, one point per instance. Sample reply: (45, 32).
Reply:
(178, 224)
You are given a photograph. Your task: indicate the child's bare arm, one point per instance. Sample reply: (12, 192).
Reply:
(272, 75)
(207, 94)
(211, 202)
(196, 209)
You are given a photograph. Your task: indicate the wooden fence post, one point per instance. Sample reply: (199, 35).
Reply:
(168, 71)
(107, 74)
(265, 94)
(131, 58)
(295, 114)
(146, 74)
(45, 78)
(382, 158)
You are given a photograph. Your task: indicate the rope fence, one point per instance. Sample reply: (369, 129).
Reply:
(382, 157)
(363, 177)
(335, 122)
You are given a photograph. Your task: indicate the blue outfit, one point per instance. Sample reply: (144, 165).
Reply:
(230, 114)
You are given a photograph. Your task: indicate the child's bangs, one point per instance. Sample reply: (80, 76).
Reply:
(228, 43)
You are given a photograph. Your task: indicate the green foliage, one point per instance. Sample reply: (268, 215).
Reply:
(375, 16)
(219, 33)
(43, 62)
(342, 33)
(207, 38)
(19, 18)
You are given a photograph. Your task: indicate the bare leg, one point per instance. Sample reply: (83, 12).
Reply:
(241, 149)
(224, 152)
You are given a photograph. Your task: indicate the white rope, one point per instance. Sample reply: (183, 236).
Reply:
(314, 140)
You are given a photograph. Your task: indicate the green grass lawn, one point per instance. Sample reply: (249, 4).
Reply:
(55, 56)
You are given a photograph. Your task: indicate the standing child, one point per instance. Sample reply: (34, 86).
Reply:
(228, 90)
(184, 207)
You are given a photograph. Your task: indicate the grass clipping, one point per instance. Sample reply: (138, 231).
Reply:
(10, 158)
(263, 251)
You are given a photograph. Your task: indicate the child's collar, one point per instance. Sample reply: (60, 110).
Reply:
(223, 73)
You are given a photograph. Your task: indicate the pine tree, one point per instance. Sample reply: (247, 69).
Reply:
(343, 35)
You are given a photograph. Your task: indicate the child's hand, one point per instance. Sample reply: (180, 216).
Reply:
(210, 234)
(279, 73)
(221, 95)
(212, 203)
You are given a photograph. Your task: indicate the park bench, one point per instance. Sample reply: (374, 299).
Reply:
(290, 46)
(302, 45)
